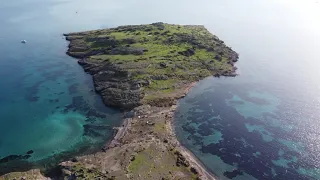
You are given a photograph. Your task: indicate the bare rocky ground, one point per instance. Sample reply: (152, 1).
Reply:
(32, 174)
(145, 147)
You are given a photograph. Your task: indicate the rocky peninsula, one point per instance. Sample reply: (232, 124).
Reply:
(144, 70)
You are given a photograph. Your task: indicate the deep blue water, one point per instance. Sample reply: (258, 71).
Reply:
(263, 123)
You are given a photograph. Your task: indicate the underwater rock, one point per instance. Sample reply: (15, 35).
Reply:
(30, 152)
(233, 173)
(14, 157)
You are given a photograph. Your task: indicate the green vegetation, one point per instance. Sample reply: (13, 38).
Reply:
(161, 163)
(166, 56)
(140, 160)
(82, 172)
(160, 127)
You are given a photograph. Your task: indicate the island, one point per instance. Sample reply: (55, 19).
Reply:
(143, 70)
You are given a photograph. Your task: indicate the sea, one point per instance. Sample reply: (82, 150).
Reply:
(262, 124)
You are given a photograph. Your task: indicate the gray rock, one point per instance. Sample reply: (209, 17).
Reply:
(188, 52)
(218, 57)
(127, 51)
(163, 65)
(159, 77)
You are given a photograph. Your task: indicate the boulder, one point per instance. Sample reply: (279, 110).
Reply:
(181, 160)
(218, 57)
(163, 65)
(188, 52)
(159, 25)
(193, 170)
(160, 77)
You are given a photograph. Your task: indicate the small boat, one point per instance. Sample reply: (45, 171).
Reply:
(23, 41)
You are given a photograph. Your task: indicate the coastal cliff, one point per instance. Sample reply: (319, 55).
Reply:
(144, 70)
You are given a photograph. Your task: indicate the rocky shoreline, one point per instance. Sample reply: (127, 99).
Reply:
(144, 70)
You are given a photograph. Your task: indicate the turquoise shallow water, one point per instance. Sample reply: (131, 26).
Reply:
(47, 103)
(262, 124)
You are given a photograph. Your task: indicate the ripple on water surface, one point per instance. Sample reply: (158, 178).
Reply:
(243, 132)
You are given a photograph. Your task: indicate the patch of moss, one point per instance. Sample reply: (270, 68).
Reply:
(81, 172)
(156, 163)
(139, 161)
(160, 127)
(162, 84)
